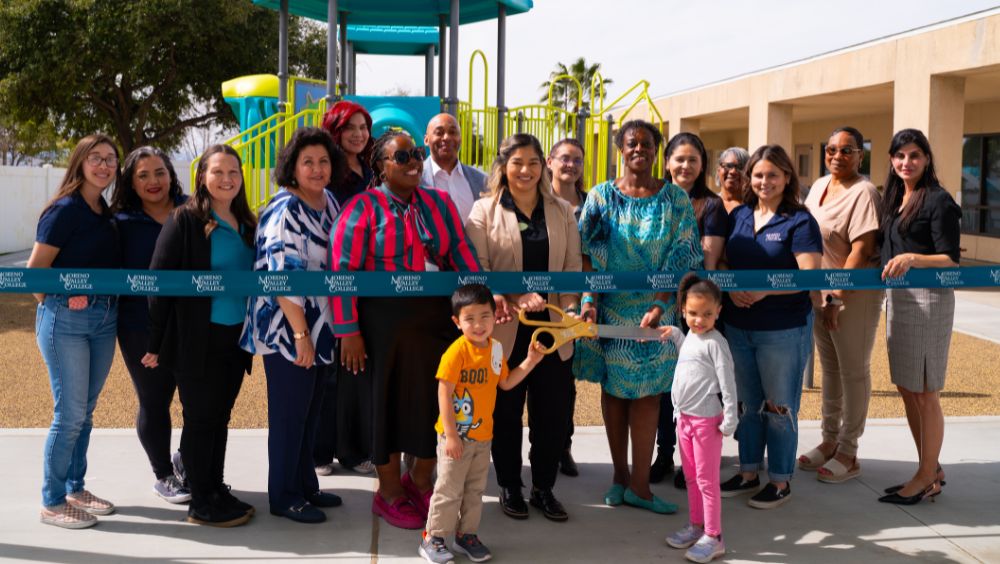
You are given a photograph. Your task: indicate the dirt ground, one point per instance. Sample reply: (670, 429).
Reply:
(971, 389)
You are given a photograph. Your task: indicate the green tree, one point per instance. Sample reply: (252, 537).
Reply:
(564, 93)
(133, 69)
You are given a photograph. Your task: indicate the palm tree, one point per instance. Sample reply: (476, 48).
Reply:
(564, 93)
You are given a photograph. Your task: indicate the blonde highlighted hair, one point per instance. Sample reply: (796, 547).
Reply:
(498, 182)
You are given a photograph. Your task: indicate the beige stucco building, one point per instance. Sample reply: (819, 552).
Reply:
(943, 79)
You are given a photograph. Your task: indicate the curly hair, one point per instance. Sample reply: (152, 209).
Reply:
(284, 168)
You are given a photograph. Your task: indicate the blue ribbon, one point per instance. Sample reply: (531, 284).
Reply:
(384, 284)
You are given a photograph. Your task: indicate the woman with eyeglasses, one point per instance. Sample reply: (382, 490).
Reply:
(400, 227)
(523, 226)
(295, 333)
(76, 333)
(730, 176)
(847, 206)
(921, 228)
(565, 169)
(198, 338)
(143, 200)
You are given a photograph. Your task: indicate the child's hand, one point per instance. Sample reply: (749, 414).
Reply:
(727, 430)
(453, 447)
(665, 331)
(536, 352)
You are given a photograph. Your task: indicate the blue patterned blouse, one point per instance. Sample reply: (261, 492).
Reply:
(291, 236)
(621, 233)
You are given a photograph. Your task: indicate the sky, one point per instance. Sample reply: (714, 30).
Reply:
(674, 45)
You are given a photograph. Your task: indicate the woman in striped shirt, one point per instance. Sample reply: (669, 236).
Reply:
(399, 226)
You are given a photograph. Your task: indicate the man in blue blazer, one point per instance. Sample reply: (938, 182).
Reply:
(443, 171)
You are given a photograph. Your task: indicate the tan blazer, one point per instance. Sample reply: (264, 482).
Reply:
(493, 231)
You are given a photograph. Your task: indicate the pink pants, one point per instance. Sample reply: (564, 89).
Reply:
(700, 442)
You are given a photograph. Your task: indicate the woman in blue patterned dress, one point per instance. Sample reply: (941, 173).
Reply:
(295, 333)
(634, 223)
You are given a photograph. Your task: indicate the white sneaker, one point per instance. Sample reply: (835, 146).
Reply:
(366, 467)
(324, 469)
(706, 549)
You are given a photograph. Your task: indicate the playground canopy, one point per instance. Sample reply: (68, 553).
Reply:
(400, 12)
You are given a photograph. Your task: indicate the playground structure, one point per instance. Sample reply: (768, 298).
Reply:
(270, 107)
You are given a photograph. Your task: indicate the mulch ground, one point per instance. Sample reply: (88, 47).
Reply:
(973, 385)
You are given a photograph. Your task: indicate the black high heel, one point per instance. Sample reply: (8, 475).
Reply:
(930, 492)
(897, 487)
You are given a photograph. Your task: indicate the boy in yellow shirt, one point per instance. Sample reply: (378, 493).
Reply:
(469, 374)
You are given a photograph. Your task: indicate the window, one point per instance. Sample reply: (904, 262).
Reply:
(866, 160)
(981, 185)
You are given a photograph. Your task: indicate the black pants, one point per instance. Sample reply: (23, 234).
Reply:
(294, 397)
(549, 392)
(155, 389)
(572, 413)
(325, 442)
(208, 399)
(354, 417)
(666, 431)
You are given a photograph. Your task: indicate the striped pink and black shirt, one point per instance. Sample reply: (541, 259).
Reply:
(378, 231)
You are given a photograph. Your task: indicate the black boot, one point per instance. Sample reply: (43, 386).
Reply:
(544, 499)
(512, 503)
(567, 465)
(662, 467)
(216, 513)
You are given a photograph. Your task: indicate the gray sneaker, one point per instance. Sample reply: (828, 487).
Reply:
(685, 537)
(434, 550)
(469, 545)
(179, 471)
(171, 490)
(706, 549)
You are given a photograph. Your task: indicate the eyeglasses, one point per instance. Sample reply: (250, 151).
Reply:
(402, 157)
(729, 167)
(96, 160)
(570, 160)
(845, 151)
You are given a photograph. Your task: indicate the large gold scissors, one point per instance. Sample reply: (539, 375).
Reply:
(568, 329)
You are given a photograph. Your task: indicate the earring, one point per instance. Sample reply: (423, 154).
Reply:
(294, 183)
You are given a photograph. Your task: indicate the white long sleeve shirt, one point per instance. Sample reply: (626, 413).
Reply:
(704, 369)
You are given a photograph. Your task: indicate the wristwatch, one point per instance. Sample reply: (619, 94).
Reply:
(302, 335)
(834, 300)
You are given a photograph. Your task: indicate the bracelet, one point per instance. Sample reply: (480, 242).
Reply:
(572, 309)
(660, 304)
(587, 300)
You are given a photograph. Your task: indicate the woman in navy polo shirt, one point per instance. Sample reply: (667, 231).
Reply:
(198, 337)
(144, 196)
(920, 229)
(76, 333)
(769, 332)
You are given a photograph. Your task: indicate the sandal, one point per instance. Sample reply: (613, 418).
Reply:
(837, 472)
(814, 459)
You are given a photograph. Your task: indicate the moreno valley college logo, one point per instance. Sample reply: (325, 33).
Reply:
(341, 284)
(537, 283)
(724, 280)
(408, 283)
(781, 280)
(995, 276)
(12, 280)
(600, 282)
(76, 281)
(839, 280)
(208, 283)
(270, 283)
(949, 278)
(665, 281)
(143, 283)
(473, 279)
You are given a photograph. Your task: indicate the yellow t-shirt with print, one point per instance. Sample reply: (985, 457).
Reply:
(475, 371)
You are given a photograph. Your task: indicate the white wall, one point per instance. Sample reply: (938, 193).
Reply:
(23, 193)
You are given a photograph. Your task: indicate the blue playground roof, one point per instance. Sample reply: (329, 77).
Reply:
(392, 40)
(401, 12)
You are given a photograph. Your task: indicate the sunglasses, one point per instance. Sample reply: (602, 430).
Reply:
(402, 157)
(846, 151)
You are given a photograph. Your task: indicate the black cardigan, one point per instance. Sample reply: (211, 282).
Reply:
(936, 229)
(179, 326)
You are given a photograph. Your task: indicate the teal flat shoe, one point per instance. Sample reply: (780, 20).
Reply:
(656, 505)
(615, 495)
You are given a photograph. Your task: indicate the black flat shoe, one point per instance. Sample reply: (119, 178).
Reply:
(512, 503)
(301, 513)
(324, 499)
(930, 492)
(567, 465)
(662, 467)
(217, 515)
(544, 499)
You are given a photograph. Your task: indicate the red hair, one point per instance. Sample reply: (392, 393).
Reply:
(337, 118)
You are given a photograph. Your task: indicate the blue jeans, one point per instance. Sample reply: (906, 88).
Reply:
(769, 366)
(78, 346)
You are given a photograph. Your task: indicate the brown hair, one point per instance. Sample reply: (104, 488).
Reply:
(573, 143)
(498, 182)
(73, 180)
(777, 156)
(200, 204)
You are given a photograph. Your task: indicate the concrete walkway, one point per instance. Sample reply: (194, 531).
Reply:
(821, 523)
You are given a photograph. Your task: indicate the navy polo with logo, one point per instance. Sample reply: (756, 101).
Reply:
(774, 247)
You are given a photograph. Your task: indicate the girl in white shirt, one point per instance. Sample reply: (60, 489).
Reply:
(704, 371)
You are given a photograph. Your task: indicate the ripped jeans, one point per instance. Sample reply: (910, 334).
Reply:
(769, 367)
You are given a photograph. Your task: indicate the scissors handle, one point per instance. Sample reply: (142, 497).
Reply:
(562, 335)
(564, 322)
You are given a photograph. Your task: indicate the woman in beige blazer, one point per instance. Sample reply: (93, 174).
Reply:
(521, 226)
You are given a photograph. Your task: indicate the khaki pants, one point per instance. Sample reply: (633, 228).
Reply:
(458, 492)
(845, 356)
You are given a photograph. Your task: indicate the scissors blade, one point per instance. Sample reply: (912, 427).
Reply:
(630, 333)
